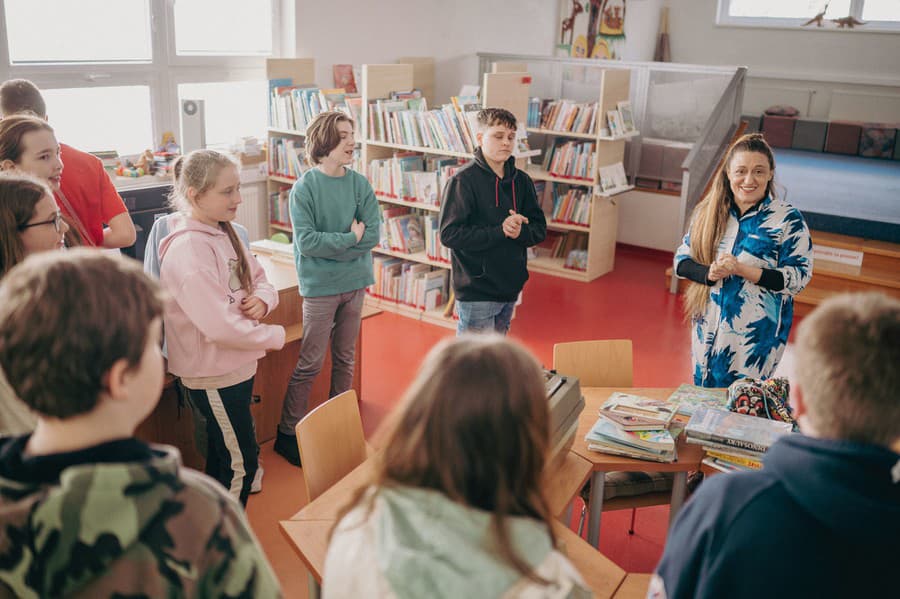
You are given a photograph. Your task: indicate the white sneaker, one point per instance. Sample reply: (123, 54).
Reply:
(256, 485)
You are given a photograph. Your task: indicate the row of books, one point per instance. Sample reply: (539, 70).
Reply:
(286, 157)
(733, 441)
(407, 121)
(294, 106)
(559, 244)
(409, 283)
(434, 249)
(570, 159)
(572, 207)
(635, 427)
(279, 207)
(412, 177)
(401, 229)
(568, 116)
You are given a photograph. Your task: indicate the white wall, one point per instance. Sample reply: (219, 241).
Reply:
(801, 67)
(450, 31)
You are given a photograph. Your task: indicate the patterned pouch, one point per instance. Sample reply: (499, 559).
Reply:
(766, 399)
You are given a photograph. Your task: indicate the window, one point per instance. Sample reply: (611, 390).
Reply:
(126, 62)
(126, 107)
(233, 109)
(88, 30)
(228, 27)
(868, 15)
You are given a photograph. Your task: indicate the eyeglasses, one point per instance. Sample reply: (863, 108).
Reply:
(57, 222)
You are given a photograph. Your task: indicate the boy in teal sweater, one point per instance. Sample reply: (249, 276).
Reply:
(335, 219)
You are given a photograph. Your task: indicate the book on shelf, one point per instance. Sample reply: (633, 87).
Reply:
(635, 413)
(344, 77)
(614, 122)
(434, 249)
(412, 177)
(570, 159)
(568, 116)
(294, 107)
(404, 119)
(401, 230)
(572, 207)
(733, 430)
(626, 116)
(412, 284)
(577, 260)
(559, 244)
(690, 397)
(286, 157)
(279, 207)
(612, 177)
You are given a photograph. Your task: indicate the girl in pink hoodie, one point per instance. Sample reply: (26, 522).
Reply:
(213, 332)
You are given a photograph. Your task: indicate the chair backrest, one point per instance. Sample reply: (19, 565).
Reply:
(601, 363)
(331, 442)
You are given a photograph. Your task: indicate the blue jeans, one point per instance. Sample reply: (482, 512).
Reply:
(482, 317)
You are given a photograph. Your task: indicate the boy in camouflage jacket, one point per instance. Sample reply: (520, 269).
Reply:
(87, 510)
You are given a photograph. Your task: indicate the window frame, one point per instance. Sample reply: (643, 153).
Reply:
(724, 19)
(163, 73)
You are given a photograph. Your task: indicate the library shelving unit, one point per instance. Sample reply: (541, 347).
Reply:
(601, 245)
(378, 81)
(303, 72)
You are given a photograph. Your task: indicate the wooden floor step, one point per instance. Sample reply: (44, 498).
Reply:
(878, 275)
(858, 244)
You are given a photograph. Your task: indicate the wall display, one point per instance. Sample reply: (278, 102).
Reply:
(592, 28)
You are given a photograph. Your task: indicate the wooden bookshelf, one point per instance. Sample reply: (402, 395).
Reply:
(378, 81)
(614, 87)
(303, 72)
(420, 257)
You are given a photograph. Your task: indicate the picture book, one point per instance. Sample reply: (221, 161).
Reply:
(343, 77)
(626, 115)
(690, 397)
(636, 413)
(735, 430)
(627, 452)
(605, 431)
(614, 121)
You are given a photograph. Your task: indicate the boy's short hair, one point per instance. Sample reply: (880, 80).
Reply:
(322, 135)
(847, 357)
(65, 319)
(18, 96)
(491, 117)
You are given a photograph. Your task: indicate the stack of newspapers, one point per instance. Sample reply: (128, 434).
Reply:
(733, 441)
(634, 427)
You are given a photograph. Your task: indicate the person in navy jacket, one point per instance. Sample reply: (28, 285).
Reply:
(822, 518)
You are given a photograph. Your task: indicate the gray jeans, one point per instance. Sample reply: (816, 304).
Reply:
(334, 318)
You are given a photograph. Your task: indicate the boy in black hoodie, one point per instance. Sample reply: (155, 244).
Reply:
(489, 217)
(822, 519)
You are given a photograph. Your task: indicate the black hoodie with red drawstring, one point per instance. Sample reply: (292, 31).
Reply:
(487, 265)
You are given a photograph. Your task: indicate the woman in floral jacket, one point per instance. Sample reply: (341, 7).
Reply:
(747, 254)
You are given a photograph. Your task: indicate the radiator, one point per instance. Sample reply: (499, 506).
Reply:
(252, 213)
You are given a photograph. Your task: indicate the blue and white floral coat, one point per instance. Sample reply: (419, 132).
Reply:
(745, 327)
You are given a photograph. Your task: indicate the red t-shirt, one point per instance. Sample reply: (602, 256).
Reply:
(89, 190)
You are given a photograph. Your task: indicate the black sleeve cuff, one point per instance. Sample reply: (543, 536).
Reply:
(698, 273)
(771, 279)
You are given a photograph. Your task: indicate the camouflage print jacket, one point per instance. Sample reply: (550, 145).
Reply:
(127, 528)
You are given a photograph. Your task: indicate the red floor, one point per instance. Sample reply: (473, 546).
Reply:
(631, 302)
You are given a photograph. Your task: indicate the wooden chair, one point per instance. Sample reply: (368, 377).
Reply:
(331, 442)
(609, 363)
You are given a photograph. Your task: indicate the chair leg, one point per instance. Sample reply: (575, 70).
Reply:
(581, 519)
(633, 515)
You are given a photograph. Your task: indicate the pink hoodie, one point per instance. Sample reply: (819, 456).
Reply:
(206, 332)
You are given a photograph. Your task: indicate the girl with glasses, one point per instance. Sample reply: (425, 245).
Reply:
(30, 222)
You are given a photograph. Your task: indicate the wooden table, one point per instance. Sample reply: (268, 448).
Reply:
(307, 530)
(689, 456)
(633, 587)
